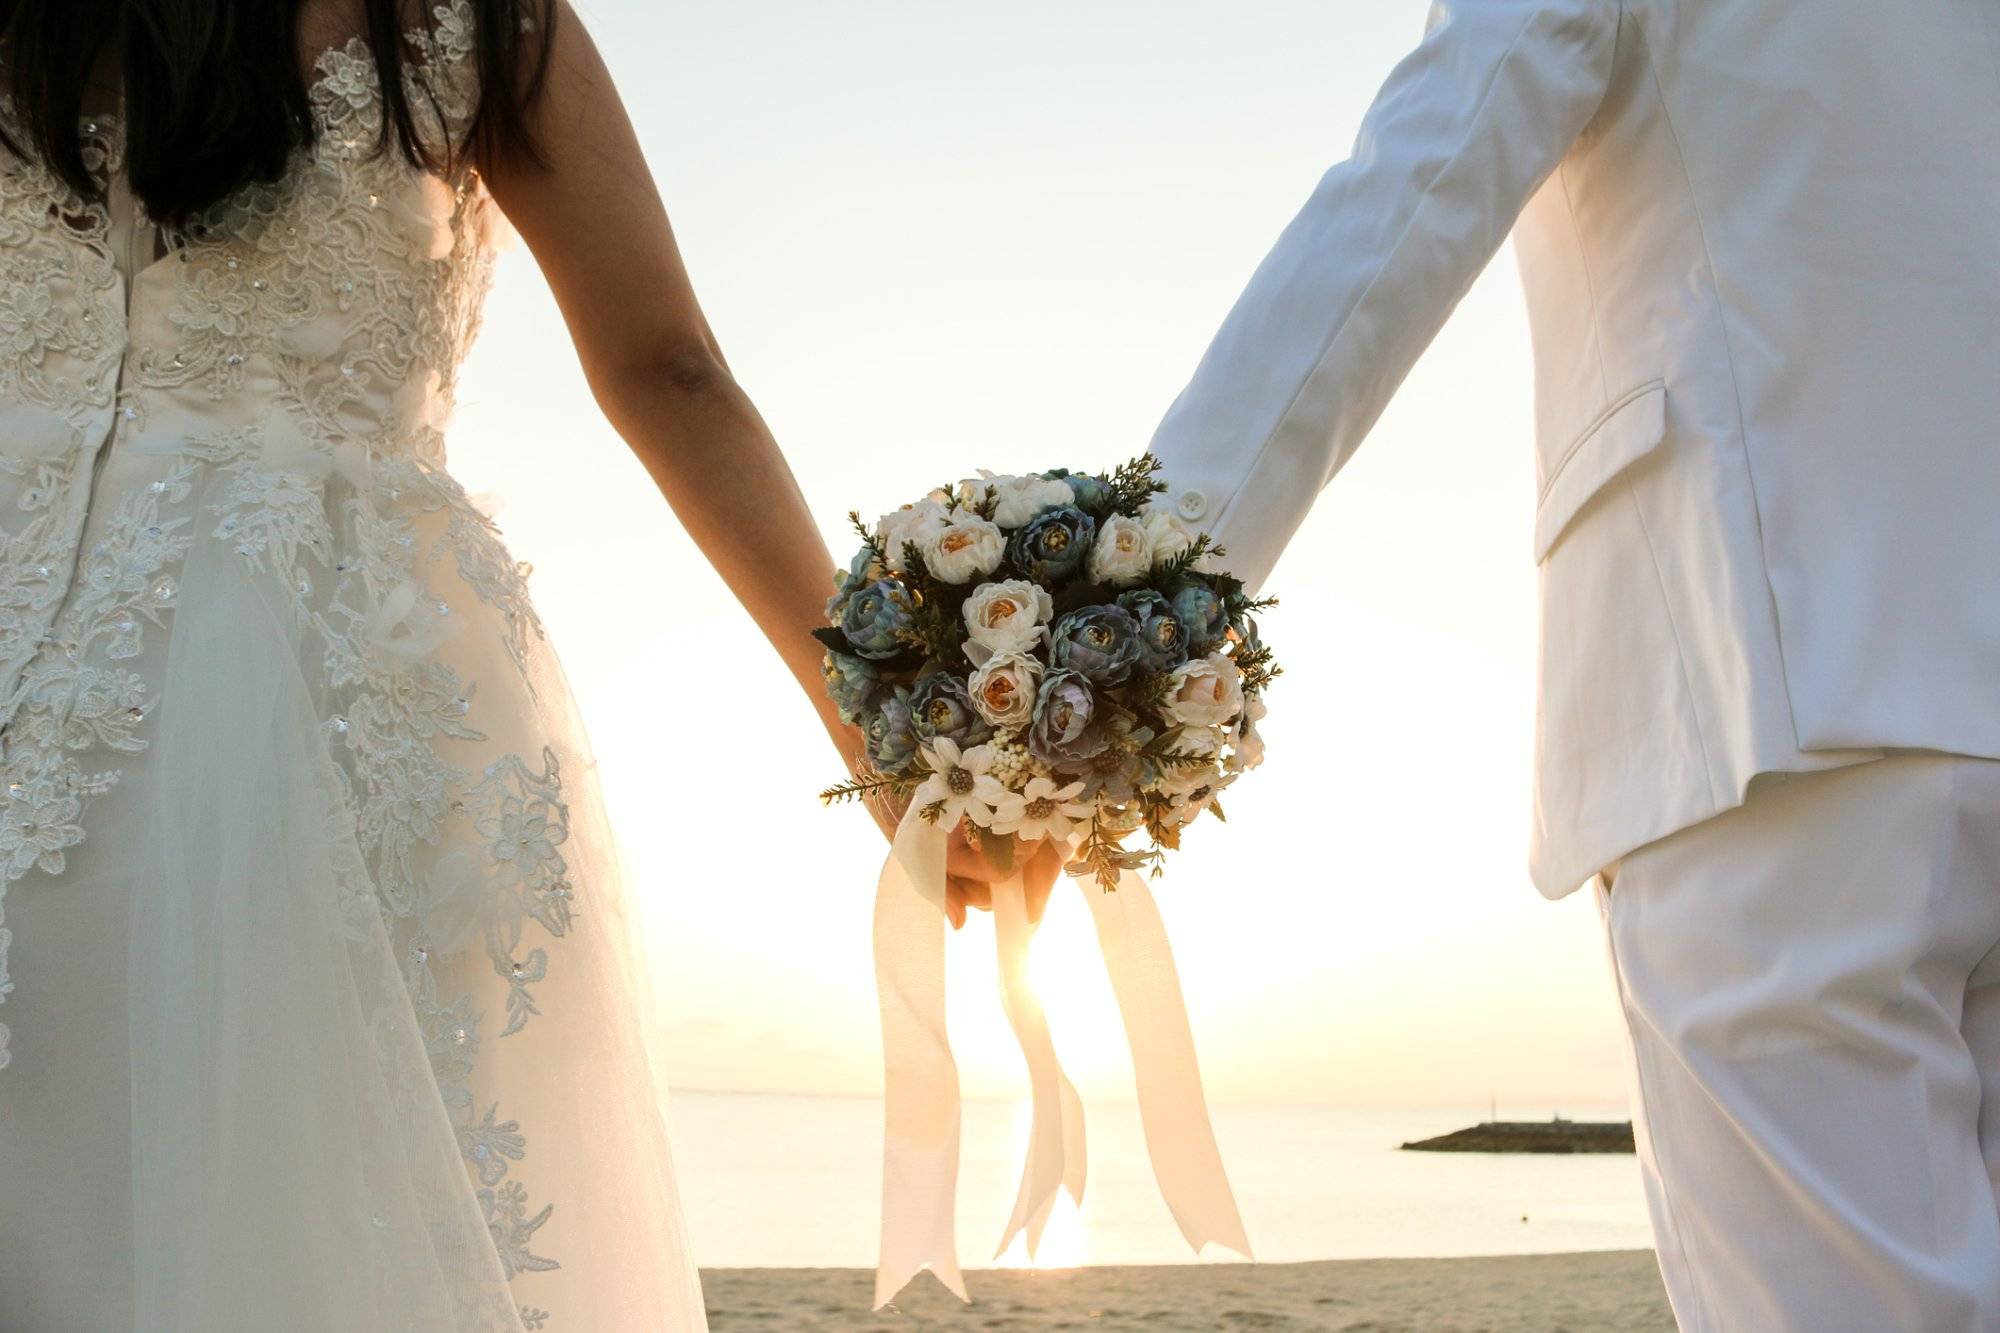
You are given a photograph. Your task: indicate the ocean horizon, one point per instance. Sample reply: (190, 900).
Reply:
(781, 1181)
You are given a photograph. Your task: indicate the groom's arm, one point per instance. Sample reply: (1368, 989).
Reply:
(1465, 130)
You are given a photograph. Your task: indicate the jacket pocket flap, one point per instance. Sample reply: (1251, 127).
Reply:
(1627, 431)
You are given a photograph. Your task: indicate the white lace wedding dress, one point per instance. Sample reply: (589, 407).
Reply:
(323, 1009)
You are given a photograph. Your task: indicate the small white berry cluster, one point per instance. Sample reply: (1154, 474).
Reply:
(1012, 764)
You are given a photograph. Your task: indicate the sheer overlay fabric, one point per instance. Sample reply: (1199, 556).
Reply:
(323, 1000)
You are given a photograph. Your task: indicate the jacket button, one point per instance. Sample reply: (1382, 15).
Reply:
(1192, 505)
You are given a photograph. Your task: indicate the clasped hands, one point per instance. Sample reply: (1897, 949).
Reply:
(970, 873)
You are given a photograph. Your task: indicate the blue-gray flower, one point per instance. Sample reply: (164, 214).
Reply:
(891, 740)
(1065, 733)
(941, 705)
(1092, 493)
(1101, 642)
(1204, 614)
(877, 617)
(847, 582)
(851, 682)
(1052, 546)
(1163, 635)
(1117, 771)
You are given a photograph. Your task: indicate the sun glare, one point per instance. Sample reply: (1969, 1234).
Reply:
(1062, 1242)
(1064, 1239)
(1068, 971)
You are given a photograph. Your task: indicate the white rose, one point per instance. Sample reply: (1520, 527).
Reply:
(973, 490)
(1122, 555)
(912, 524)
(1003, 690)
(966, 548)
(1167, 535)
(1205, 692)
(1005, 617)
(1021, 498)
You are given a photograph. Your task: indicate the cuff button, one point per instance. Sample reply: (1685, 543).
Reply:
(1192, 505)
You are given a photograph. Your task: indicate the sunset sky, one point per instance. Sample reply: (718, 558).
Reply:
(938, 237)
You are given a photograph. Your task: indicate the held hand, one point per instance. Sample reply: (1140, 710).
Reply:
(965, 865)
(971, 878)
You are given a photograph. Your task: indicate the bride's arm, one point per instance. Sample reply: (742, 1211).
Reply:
(592, 216)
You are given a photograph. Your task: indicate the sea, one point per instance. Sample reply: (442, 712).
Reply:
(794, 1182)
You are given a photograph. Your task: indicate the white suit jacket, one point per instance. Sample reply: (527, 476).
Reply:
(1761, 246)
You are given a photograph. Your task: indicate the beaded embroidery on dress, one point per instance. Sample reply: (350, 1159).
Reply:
(263, 660)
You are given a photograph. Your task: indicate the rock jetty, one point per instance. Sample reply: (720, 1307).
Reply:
(1556, 1135)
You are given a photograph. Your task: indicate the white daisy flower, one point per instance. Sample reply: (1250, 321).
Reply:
(1042, 810)
(1247, 744)
(962, 782)
(1190, 806)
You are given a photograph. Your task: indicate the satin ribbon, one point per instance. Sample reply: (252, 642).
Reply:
(921, 1127)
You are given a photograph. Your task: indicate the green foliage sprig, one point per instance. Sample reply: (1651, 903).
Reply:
(1159, 827)
(1162, 752)
(1176, 569)
(1259, 668)
(867, 785)
(937, 629)
(868, 537)
(1143, 696)
(1178, 758)
(1102, 857)
(1134, 484)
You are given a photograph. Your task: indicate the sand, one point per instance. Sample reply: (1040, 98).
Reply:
(1543, 1293)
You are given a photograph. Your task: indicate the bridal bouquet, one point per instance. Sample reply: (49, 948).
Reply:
(1044, 657)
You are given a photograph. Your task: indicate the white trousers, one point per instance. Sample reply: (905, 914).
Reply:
(1812, 983)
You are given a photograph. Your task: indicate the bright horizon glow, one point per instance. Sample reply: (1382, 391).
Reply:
(1065, 1240)
(937, 238)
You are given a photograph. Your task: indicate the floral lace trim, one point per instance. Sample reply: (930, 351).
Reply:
(61, 336)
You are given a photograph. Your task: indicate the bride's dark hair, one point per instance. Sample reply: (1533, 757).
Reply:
(216, 97)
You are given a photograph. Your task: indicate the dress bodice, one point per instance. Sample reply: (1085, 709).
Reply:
(320, 317)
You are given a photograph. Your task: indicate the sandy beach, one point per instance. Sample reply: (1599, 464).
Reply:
(1618, 1290)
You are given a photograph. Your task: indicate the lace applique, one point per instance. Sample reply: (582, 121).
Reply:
(71, 701)
(61, 304)
(62, 319)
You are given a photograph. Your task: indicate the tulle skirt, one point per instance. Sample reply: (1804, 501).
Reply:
(306, 1035)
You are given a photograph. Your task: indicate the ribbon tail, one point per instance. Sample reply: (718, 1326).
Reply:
(1056, 1157)
(920, 1078)
(1172, 1107)
(1074, 1160)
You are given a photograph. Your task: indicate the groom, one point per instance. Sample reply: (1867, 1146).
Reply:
(1761, 247)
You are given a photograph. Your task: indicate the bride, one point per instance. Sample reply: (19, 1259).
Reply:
(322, 1003)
